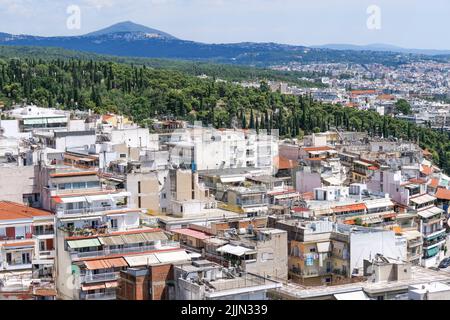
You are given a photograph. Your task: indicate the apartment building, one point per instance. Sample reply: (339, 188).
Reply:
(206, 280)
(210, 149)
(326, 253)
(259, 251)
(27, 250)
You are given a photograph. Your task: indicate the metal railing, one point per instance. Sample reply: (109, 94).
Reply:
(43, 232)
(90, 210)
(89, 278)
(100, 296)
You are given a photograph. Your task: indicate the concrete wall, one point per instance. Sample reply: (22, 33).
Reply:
(17, 181)
(366, 245)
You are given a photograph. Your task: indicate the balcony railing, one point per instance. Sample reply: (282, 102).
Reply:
(43, 232)
(90, 278)
(106, 252)
(90, 210)
(16, 266)
(100, 296)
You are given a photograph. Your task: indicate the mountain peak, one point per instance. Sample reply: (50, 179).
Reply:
(128, 26)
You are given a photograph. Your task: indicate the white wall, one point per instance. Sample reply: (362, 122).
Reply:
(366, 245)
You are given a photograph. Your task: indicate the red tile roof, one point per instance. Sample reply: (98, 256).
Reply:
(443, 194)
(426, 170)
(434, 183)
(350, 207)
(13, 211)
(284, 163)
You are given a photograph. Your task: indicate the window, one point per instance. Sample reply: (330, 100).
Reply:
(139, 188)
(312, 250)
(93, 184)
(114, 224)
(164, 196)
(139, 202)
(267, 256)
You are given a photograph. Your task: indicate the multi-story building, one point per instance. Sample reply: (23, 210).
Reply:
(206, 280)
(27, 249)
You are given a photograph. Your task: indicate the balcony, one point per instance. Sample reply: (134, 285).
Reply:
(101, 277)
(18, 266)
(414, 256)
(91, 211)
(47, 254)
(428, 235)
(415, 243)
(106, 252)
(44, 232)
(100, 296)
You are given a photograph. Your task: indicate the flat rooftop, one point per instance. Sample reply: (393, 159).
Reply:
(420, 275)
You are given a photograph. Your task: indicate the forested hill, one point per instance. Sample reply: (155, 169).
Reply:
(219, 71)
(143, 93)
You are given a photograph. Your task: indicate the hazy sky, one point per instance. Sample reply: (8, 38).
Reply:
(406, 23)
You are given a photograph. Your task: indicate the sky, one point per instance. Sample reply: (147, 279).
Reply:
(421, 24)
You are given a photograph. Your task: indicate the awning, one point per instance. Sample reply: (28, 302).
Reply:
(111, 241)
(356, 295)
(235, 250)
(423, 199)
(85, 243)
(413, 234)
(430, 212)
(105, 263)
(133, 238)
(155, 236)
(69, 199)
(120, 194)
(85, 287)
(18, 244)
(172, 256)
(323, 247)
(100, 197)
(372, 204)
(432, 252)
(143, 260)
(232, 179)
(350, 207)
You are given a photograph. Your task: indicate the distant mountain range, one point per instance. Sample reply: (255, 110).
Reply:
(133, 40)
(383, 47)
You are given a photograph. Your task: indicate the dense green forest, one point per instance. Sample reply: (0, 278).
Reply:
(219, 71)
(143, 93)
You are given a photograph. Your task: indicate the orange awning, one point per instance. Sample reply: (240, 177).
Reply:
(350, 207)
(105, 263)
(93, 287)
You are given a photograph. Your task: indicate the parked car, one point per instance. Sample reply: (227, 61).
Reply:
(444, 263)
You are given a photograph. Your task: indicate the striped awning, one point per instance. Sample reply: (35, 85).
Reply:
(155, 236)
(84, 243)
(105, 263)
(112, 241)
(133, 238)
